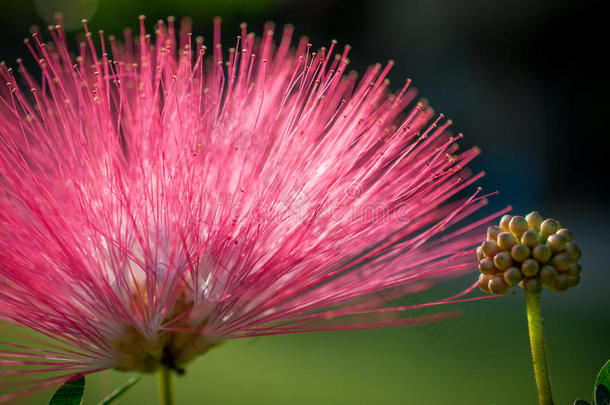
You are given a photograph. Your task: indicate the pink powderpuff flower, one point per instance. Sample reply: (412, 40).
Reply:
(155, 202)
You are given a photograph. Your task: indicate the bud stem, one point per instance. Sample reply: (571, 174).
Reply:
(166, 386)
(541, 371)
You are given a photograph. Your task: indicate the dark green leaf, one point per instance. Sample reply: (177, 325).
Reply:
(581, 402)
(119, 391)
(603, 379)
(70, 393)
(602, 395)
(604, 376)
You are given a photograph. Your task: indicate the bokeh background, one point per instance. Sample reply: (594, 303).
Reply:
(522, 79)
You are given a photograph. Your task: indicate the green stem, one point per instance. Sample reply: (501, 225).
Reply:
(541, 371)
(166, 386)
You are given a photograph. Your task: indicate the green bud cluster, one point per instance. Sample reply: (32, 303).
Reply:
(530, 251)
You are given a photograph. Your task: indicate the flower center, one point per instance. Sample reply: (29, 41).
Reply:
(147, 351)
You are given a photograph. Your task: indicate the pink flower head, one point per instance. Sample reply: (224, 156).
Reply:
(155, 202)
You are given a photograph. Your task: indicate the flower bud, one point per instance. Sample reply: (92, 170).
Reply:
(486, 266)
(573, 281)
(548, 275)
(565, 233)
(534, 219)
(574, 270)
(489, 248)
(505, 222)
(573, 250)
(529, 239)
(503, 260)
(484, 283)
(493, 232)
(506, 240)
(557, 243)
(562, 282)
(549, 227)
(520, 252)
(518, 225)
(542, 253)
(497, 285)
(529, 267)
(561, 261)
(533, 252)
(532, 286)
(512, 276)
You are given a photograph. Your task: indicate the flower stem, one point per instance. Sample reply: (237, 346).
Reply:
(166, 386)
(541, 371)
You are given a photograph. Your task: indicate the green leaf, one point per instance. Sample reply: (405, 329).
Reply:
(119, 391)
(604, 376)
(70, 393)
(602, 385)
(602, 395)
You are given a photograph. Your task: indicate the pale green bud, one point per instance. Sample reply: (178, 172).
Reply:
(573, 281)
(518, 225)
(489, 248)
(534, 219)
(566, 233)
(506, 240)
(497, 285)
(574, 270)
(573, 250)
(529, 239)
(484, 283)
(561, 261)
(548, 275)
(529, 267)
(532, 286)
(542, 253)
(562, 282)
(486, 266)
(512, 276)
(557, 243)
(549, 227)
(520, 252)
(503, 260)
(505, 222)
(493, 232)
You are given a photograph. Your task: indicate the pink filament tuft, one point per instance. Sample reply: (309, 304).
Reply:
(278, 192)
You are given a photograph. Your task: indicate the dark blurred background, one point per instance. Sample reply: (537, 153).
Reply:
(523, 80)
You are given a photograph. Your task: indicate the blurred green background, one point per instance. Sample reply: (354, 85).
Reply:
(520, 79)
